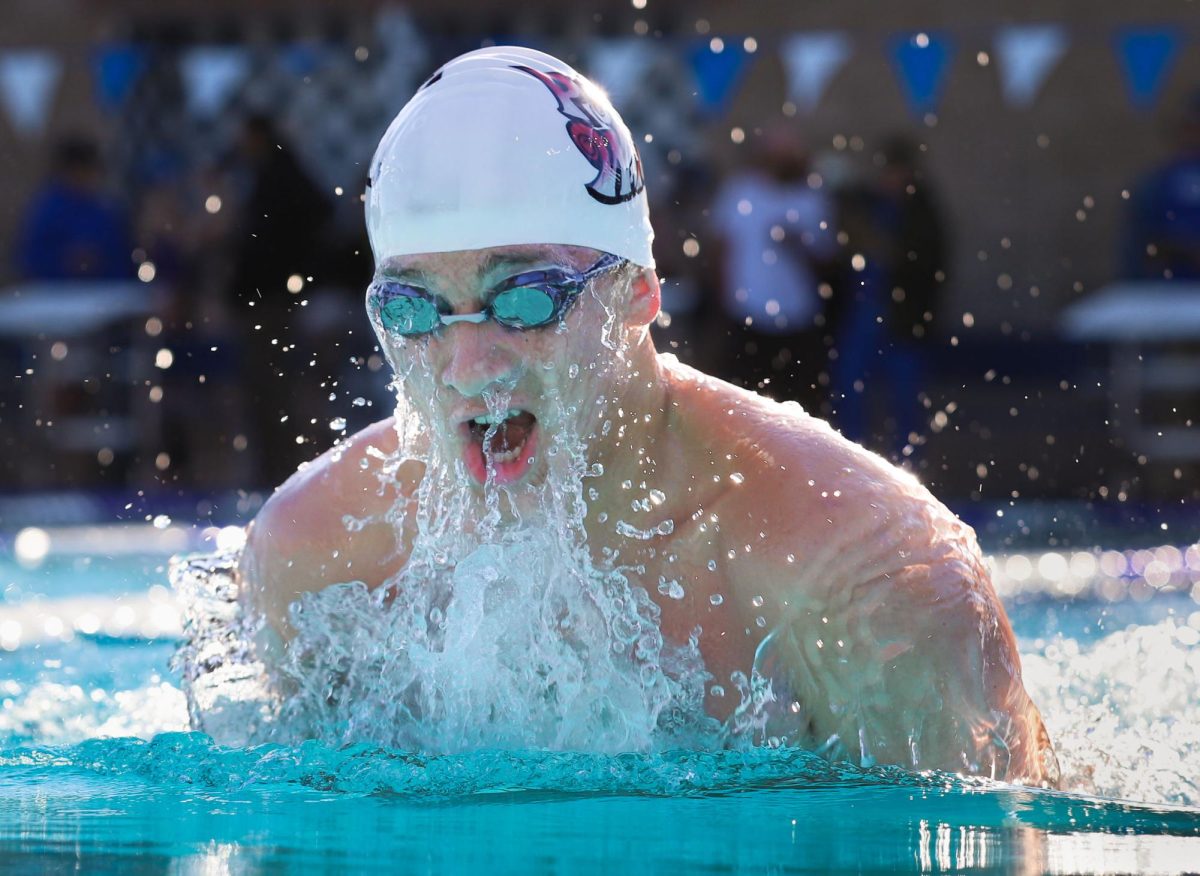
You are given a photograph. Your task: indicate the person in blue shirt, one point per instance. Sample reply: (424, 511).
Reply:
(72, 229)
(1163, 240)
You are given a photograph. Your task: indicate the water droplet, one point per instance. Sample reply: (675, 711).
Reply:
(757, 601)
(359, 402)
(760, 621)
(737, 477)
(573, 371)
(712, 565)
(716, 598)
(162, 521)
(672, 589)
(338, 424)
(658, 497)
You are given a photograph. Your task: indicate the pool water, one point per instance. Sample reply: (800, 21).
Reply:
(98, 770)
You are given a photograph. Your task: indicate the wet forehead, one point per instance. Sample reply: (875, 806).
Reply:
(474, 266)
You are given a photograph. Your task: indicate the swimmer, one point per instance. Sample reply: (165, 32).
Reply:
(513, 295)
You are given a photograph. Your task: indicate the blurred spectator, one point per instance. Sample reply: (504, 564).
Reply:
(888, 296)
(279, 240)
(775, 234)
(282, 222)
(72, 229)
(1163, 239)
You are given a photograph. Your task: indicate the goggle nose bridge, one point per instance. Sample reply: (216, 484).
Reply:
(475, 318)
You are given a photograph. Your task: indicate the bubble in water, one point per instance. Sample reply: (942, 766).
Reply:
(359, 402)
(162, 521)
(716, 598)
(338, 424)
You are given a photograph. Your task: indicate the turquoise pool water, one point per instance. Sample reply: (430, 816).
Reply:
(98, 773)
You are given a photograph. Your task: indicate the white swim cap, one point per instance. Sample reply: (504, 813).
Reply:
(504, 146)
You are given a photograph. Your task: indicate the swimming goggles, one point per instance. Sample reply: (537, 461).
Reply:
(525, 301)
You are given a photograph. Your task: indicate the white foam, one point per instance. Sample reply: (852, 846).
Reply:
(1123, 711)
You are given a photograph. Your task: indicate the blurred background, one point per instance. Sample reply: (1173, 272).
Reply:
(967, 234)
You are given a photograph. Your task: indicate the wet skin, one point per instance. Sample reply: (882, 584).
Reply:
(890, 643)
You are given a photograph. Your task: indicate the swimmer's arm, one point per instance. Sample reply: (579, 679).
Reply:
(299, 543)
(920, 668)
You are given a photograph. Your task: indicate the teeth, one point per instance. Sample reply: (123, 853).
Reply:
(509, 455)
(495, 419)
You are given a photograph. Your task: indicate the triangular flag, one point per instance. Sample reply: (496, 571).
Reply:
(1145, 56)
(1025, 55)
(405, 57)
(211, 74)
(921, 61)
(811, 61)
(117, 68)
(27, 81)
(718, 66)
(619, 66)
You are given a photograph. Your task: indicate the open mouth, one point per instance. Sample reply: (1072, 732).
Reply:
(504, 443)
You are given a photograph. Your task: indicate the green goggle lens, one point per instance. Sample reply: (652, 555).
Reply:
(409, 315)
(523, 307)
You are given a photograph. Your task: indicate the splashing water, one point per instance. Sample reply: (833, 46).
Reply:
(1124, 711)
(503, 631)
(499, 631)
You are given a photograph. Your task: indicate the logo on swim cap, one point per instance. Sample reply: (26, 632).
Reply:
(619, 167)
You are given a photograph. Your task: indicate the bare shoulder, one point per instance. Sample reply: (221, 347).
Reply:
(809, 518)
(797, 496)
(330, 522)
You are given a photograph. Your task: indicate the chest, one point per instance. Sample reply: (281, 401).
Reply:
(688, 577)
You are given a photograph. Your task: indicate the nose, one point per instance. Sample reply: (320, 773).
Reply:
(477, 360)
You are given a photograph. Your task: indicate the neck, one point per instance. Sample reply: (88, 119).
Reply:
(636, 449)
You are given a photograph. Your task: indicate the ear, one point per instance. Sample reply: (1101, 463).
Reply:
(645, 298)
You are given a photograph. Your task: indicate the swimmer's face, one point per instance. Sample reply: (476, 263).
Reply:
(496, 396)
